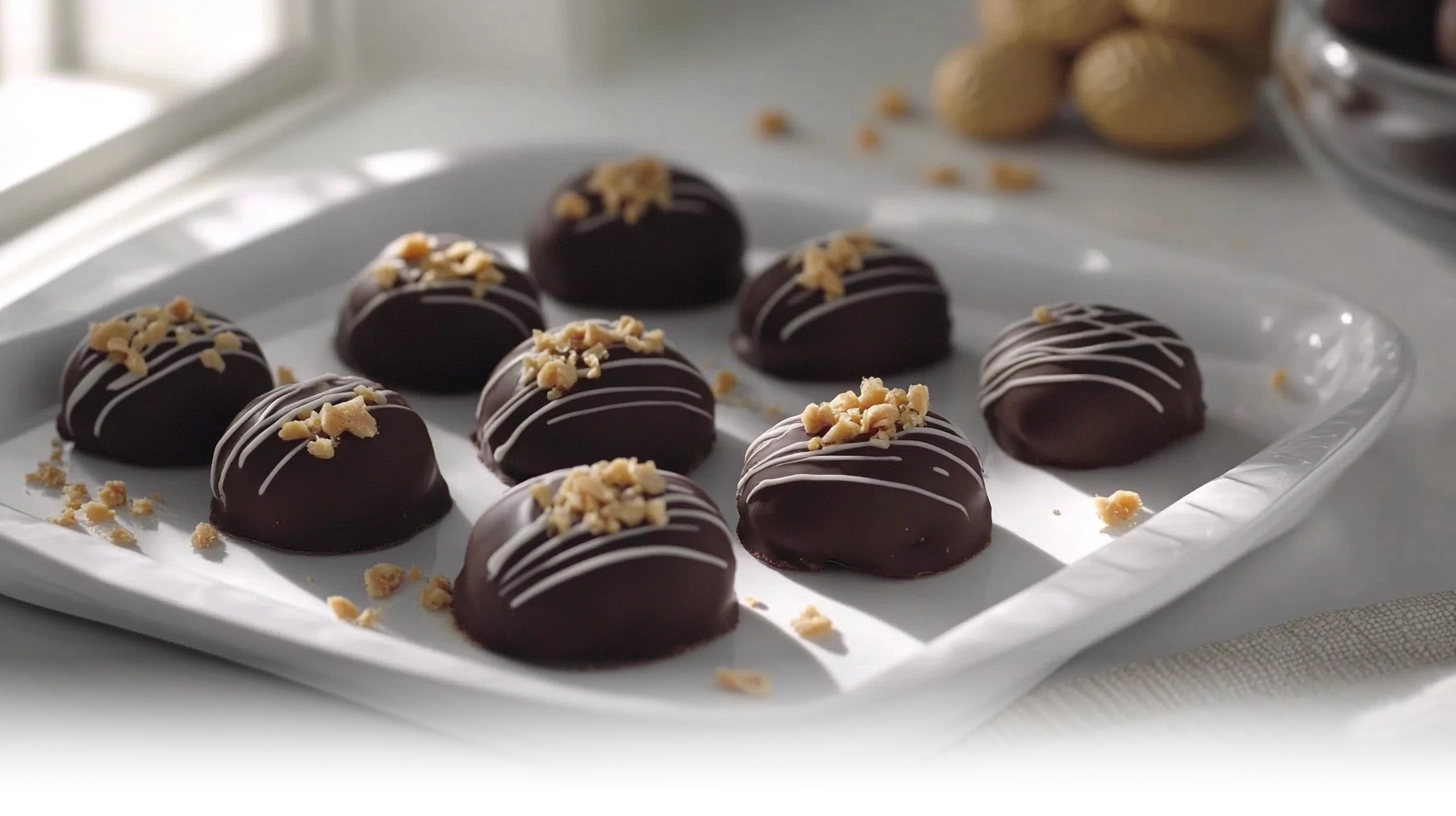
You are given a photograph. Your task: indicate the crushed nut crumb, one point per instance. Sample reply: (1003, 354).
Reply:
(120, 536)
(771, 123)
(893, 103)
(343, 608)
(1009, 176)
(773, 411)
(418, 257)
(46, 474)
(434, 598)
(571, 206)
(381, 580)
(367, 618)
(441, 582)
(753, 603)
(112, 494)
(822, 263)
(812, 624)
(73, 495)
(1119, 508)
(58, 450)
(943, 175)
(1278, 379)
(867, 140)
(414, 573)
(752, 683)
(322, 447)
(67, 518)
(96, 513)
(1042, 315)
(558, 357)
(628, 189)
(876, 411)
(142, 506)
(723, 383)
(128, 341)
(204, 535)
(227, 341)
(605, 497)
(211, 359)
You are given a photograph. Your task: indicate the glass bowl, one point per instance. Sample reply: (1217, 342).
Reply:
(1382, 129)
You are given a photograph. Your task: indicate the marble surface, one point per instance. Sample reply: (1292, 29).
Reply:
(1382, 533)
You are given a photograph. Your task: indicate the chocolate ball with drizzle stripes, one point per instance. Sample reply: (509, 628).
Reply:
(598, 565)
(1079, 386)
(329, 464)
(436, 313)
(843, 306)
(594, 390)
(638, 235)
(158, 385)
(874, 482)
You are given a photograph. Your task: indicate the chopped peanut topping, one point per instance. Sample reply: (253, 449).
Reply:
(180, 309)
(294, 430)
(771, 123)
(323, 448)
(1119, 508)
(867, 140)
(571, 206)
(46, 474)
(892, 103)
(723, 383)
(112, 494)
(386, 274)
(96, 513)
(434, 598)
(414, 573)
(286, 376)
(351, 416)
(418, 257)
(183, 335)
(142, 506)
(876, 411)
(67, 518)
(73, 495)
(412, 247)
(204, 535)
(381, 580)
(1011, 176)
(343, 608)
(211, 359)
(1042, 315)
(943, 175)
(368, 394)
(812, 624)
(559, 355)
(227, 341)
(752, 683)
(629, 188)
(441, 582)
(605, 497)
(120, 536)
(823, 263)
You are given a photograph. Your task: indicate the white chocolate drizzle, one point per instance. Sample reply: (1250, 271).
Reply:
(883, 262)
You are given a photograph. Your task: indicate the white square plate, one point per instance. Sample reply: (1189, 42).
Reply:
(277, 257)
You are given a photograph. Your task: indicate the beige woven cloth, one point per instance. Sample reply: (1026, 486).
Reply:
(1386, 671)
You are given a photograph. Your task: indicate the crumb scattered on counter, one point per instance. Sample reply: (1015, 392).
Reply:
(120, 536)
(343, 608)
(1278, 379)
(367, 618)
(753, 603)
(286, 376)
(381, 580)
(97, 513)
(893, 103)
(58, 450)
(943, 175)
(112, 494)
(142, 506)
(752, 683)
(1010, 177)
(812, 624)
(441, 582)
(46, 474)
(771, 123)
(434, 598)
(867, 140)
(67, 518)
(414, 573)
(204, 536)
(73, 495)
(1119, 508)
(723, 383)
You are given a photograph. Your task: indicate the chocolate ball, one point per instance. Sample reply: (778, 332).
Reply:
(327, 465)
(913, 503)
(436, 313)
(166, 400)
(596, 597)
(638, 235)
(1401, 28)
(794, 318)
(1079, 386)
(641, 398)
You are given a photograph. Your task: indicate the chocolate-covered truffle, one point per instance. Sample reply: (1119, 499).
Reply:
(810, 315)
(436, 313)
(638, 235)
(1401, 28)
(873, 481)
(604, 564)
(327, 465)
(158, 386)
(1079, 386)
(594, 390)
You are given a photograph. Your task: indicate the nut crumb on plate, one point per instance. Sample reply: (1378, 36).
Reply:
(943, 175)
(73, 495)
(892, 103)
(367, 618)
(343, 608)
(867, 140)
(752, 602)
(120, 536)
(96, 513)
(812, 624)
(752, 683)
(142, 506)
(433, 598)
(723, 383)
(381, 580)
(1119, 508)
(46, 474)
(414, 573)
(771, 122)
(1278, 379)
(112, 494)
(67, 518)
(1009, 176)
(286, 376)
(204, 536)
(1056, 512)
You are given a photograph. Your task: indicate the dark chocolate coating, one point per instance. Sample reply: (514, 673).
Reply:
(894, 316)
(1100, 412)
(597, 600)
(173, 416)
(1401, 28)
(689, 256)
(374, 492)
(409, 338)
(1446, 33)
(922, 514)
(675, 429)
